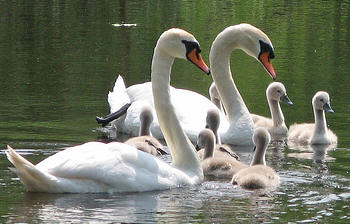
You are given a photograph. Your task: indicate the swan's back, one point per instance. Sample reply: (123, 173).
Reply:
(97, 167)
(184, 101)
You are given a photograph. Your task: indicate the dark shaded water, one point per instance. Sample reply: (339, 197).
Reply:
(58, 60)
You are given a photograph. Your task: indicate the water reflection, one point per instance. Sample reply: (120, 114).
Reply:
(57, 62)
(301, 190)
(81, 207)
(318, 153)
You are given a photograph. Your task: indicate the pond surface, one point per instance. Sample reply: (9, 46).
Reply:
(59, 59)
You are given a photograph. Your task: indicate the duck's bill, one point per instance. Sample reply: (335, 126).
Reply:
(286, 99)
(196, 58)
(265, 60)
(327, 107)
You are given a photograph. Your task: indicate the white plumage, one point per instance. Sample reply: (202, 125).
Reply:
(191, 107)
(117, 167)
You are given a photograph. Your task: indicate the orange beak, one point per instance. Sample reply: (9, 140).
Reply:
(196, 58)
(265, 60)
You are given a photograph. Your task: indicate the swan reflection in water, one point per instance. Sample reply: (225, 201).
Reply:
(317, 153)
(179, 205)
(79, 207)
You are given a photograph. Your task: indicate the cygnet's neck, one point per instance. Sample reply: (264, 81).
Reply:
(217, 137)
(259, 156)
(183, 153)
(276, 112)
(209, 148)
(214, 128)
(320, 123)
(219, 57)
(144, 129)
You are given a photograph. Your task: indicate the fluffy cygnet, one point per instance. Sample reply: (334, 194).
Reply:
(258, 175)
(213, 122)
(275, 125)
(216, 165)
(315, 133)
(145, 142)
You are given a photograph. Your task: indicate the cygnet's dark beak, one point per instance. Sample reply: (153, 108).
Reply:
(327, 107)
(286, 99)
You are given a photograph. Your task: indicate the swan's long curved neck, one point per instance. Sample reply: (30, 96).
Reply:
(183, 153)
(276, 112)
(320, 122)
(219, 57)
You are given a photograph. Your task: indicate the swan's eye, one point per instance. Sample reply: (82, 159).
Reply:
(264, 47)
(321, 100)
(190, 46)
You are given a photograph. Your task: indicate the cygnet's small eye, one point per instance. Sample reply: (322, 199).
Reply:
(279, 91)
(321, 100)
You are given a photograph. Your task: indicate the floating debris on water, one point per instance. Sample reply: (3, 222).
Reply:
(124, 24)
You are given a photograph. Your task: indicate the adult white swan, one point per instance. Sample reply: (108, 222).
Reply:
(118, 167)
(192, 107)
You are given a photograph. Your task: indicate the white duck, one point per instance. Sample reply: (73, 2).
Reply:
(318, 132)
(145, 141)
(258, 175)
(192, 107)
(118, 167)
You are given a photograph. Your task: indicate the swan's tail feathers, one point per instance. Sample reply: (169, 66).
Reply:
(106, 120)
(17, 160)
(30, 176)
(119, 96)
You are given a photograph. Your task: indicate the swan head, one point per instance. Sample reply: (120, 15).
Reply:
(276, 91)
(257, 44)
(181, 44)
(321, 101)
